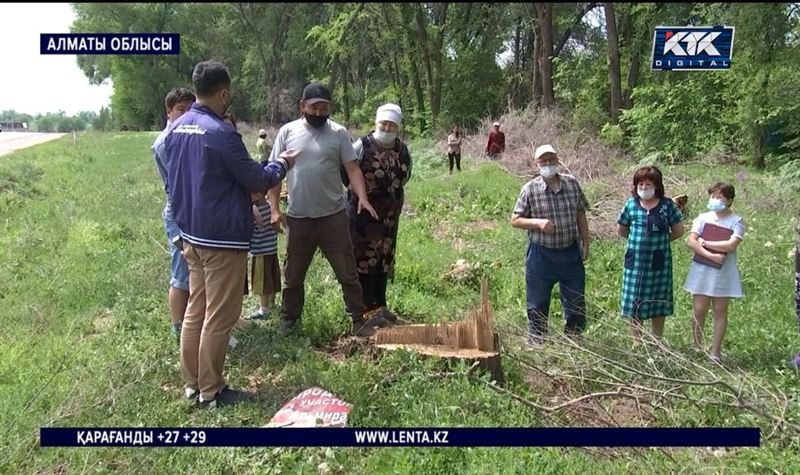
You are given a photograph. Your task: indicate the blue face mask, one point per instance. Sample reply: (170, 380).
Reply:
(715, 204)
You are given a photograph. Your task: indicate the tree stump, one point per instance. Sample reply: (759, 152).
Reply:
(471, 340)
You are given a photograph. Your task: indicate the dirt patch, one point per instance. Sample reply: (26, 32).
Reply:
(605, 411)
(348, 346)
(460, 244)
(59, 469)
(409, 210)
(104, 322)
(445, 232)
(482, 225)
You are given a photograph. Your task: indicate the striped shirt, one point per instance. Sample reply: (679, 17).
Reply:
(537, 200)
(264, 241)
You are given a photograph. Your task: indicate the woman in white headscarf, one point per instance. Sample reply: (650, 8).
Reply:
(386, 164)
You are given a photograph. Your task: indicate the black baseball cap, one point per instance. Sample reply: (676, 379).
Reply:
(315, 92)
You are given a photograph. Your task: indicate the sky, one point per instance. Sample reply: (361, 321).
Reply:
(33, 83)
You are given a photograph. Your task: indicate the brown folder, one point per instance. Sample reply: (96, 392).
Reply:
(712, 232)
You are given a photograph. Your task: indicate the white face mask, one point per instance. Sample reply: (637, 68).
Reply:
(384, 137)
(646, 194)
(548, 171)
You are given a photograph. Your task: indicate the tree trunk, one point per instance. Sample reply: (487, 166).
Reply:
(545, 59)
(537, 75)
(613, 61)
(436, 53)
(422, 44)
(412, 58)
(760, 130)
(633, 77)
(517, 44)
(395, 69)
(628, 43)
(345, 93)
(638, 41)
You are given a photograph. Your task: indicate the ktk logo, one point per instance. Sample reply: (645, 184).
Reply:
(696, 43)
(692, 48)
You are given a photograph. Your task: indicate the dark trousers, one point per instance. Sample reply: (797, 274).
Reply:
(543, 269)
(374, 288)
(451, 157)
(332, 235)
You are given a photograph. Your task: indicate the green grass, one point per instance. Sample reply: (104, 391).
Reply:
(83, 281)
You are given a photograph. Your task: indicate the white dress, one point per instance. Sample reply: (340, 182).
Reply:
(710, 281)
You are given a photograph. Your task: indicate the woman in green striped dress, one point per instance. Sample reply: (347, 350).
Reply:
(650, 222)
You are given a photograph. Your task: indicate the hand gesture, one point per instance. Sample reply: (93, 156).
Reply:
(277, 221)
(546, 226)
(364, 205)
(290, 156)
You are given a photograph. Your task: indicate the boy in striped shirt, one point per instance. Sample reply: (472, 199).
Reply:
(265, 275)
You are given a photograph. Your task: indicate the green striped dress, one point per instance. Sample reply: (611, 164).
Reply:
(647, 276)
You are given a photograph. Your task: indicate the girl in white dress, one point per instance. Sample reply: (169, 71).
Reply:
(708, 285)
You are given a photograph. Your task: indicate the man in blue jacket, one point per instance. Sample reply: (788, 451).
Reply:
(210, 178)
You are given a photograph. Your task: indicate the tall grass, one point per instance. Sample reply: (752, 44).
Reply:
(83, 281)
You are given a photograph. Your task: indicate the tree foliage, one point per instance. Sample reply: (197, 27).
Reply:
(459, 63)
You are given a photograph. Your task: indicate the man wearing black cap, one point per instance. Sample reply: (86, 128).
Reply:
(317, 216)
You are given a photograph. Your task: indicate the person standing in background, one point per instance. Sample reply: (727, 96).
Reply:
(454, 149)
(262, 145)
(177, 102)
(497, 142)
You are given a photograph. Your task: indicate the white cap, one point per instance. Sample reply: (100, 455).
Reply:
(390, 112)
(262, 132)
(496, 124)
(543, 149)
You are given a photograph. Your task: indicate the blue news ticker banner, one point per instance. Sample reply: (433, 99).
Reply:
(692, 48)
(397, 437)
(110, 43)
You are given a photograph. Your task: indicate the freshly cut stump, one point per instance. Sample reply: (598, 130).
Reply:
(471, 340)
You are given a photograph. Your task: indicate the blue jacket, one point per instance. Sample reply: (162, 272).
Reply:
(210, 176)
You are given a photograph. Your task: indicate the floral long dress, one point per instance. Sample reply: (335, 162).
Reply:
(386, 171)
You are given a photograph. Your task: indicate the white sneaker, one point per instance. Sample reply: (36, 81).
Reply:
(190, 393)
(232, 342)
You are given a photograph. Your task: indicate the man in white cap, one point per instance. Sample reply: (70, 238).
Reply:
(317, 212)
(497, 142)
(552, 208)
(262, 145)
(386, 164)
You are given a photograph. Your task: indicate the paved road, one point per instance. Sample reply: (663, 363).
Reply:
(12, 141)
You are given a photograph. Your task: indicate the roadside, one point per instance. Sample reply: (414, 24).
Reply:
(13, 141)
